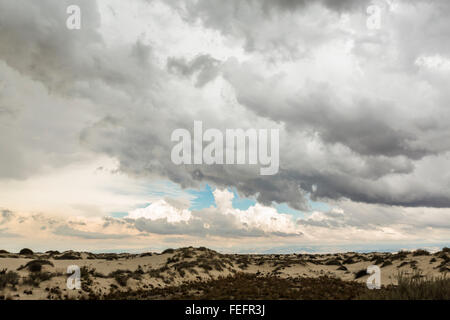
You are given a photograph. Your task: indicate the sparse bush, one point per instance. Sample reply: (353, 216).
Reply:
(386, 263)
(360, 273)
(333, 262)
(35, 278)
(378, 260)
(68, 256)
(8, 278)
(416, 287)
(122, 276)
(243, 286)
(36, 265)
(52, 252)
(401, 255)
(349, 260)
(421, 252)
(146, 254)
(26, 251)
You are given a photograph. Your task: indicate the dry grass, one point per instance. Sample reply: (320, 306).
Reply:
(416, 287)
(8, 278)
(244, 286)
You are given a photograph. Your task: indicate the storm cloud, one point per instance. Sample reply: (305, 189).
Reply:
(363, 114)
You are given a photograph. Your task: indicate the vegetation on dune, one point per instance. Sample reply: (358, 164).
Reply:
(190, 273)
(8, 278)
(35, 265)
(420, 252)
(249, 286)
(416, 287)
(26, 251)
(35, 278)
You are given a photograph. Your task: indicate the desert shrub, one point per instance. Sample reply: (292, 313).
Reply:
(349, 260)
(35, 278)
(26, 251)
(170, 250)
(378, 260)
(122, 276)
(52, 252)
(139, 270)
(157, 273)
(333, 262)
(421, 252)
(8, 278)
(360, 273)
(68, 256)
(205, 266)
(146, 254)
(249, 286)
(386, 263)
(401, 255)
(107, 256)
(186, 253)
(342, 268)
(86, 281)
(3, 251)
(173, 260)
(36, 265)
(444, 269)
(444, 257)
(414, 287)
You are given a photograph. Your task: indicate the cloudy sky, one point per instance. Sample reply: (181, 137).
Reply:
(362, 106)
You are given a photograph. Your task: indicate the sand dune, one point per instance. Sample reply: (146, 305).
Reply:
(44, 275)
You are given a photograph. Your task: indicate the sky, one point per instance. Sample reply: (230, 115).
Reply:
(357, 89)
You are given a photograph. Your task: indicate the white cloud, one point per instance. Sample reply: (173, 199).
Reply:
(257, 220)
(160, 209)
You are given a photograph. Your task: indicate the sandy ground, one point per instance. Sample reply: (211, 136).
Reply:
(102, 273)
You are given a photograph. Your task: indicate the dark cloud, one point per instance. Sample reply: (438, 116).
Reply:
(205, 67)
(376, 217)
(381, 137)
